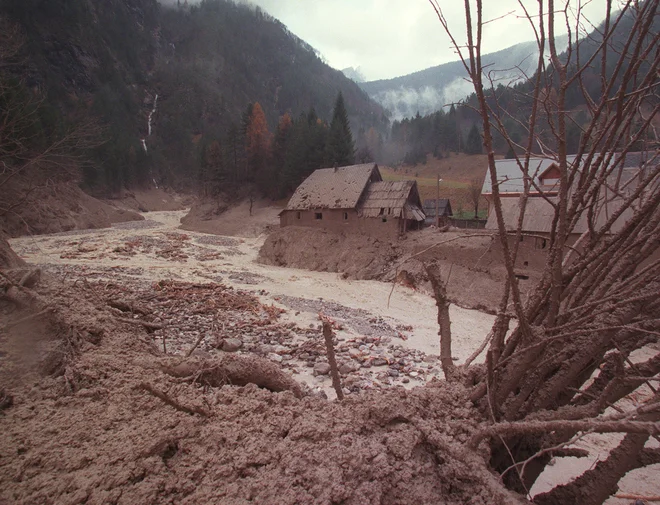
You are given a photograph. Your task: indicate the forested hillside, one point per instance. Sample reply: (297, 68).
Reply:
(136, 93)
(458, 130)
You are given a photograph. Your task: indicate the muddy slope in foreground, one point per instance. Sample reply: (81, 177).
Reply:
(82, 427)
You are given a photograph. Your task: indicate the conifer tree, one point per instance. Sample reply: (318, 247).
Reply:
(281, 144)
(473, 145)
(215, 168)
(340, 148)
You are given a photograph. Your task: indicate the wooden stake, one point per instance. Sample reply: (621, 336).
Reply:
(336, 381)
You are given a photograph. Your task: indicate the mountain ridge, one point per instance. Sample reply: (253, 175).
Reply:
(207, 63)
(430, 89)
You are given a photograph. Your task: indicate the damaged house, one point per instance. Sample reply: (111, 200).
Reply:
(537, 222)
(355, 199)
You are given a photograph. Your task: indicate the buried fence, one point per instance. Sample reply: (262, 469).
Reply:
(466, 223)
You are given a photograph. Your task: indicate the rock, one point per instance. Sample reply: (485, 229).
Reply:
(354, 353)
(275, 357)
(379, 362)
(394, 373)
(321, 369)
(414, 374)
(405, 380)
(346, 368)
(231, 345)
(319, 393)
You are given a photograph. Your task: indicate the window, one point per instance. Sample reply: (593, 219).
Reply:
(318, 215)
(389, 211)
(541, 243)
(298, 215)
(384, 219)
(382, 211)
(345, 216)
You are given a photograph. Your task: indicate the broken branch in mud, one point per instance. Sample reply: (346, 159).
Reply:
(30, 278)
(171, 402)
(235, 370)
(150, 327)
(197, 342)
(327, 334)
(125, 306)
(20, 296)
(507, 429)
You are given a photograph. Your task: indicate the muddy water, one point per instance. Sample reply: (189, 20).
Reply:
(232, 260)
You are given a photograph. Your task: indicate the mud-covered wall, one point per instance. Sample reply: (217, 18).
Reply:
(341, 220)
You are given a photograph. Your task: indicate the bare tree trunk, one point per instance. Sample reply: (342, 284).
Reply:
(444, 322)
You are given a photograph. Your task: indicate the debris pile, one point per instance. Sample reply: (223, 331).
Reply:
(215, 318)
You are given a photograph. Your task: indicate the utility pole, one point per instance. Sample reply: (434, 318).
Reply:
(437, 202)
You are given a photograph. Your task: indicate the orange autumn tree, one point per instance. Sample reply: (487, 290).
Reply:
(257, 147)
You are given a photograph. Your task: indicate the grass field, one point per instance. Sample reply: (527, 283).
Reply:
(457, 171)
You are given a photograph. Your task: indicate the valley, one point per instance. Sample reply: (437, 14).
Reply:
(223, 280)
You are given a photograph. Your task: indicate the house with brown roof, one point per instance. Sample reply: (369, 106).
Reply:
(355, 199)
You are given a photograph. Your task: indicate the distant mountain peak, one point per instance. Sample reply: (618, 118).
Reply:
(429, 90)
(354, 73)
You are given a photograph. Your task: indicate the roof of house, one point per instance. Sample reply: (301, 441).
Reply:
(334, 188)
(539, 216)
(392, 198)
(444, 207)
(510, 177)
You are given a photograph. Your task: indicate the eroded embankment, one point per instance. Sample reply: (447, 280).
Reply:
(470, 261)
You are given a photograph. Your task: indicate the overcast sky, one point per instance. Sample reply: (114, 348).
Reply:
(389, 38)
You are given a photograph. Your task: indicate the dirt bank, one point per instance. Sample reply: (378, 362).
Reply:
(59, 207)
(241, 219)
(150, 200)
(471, 261)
